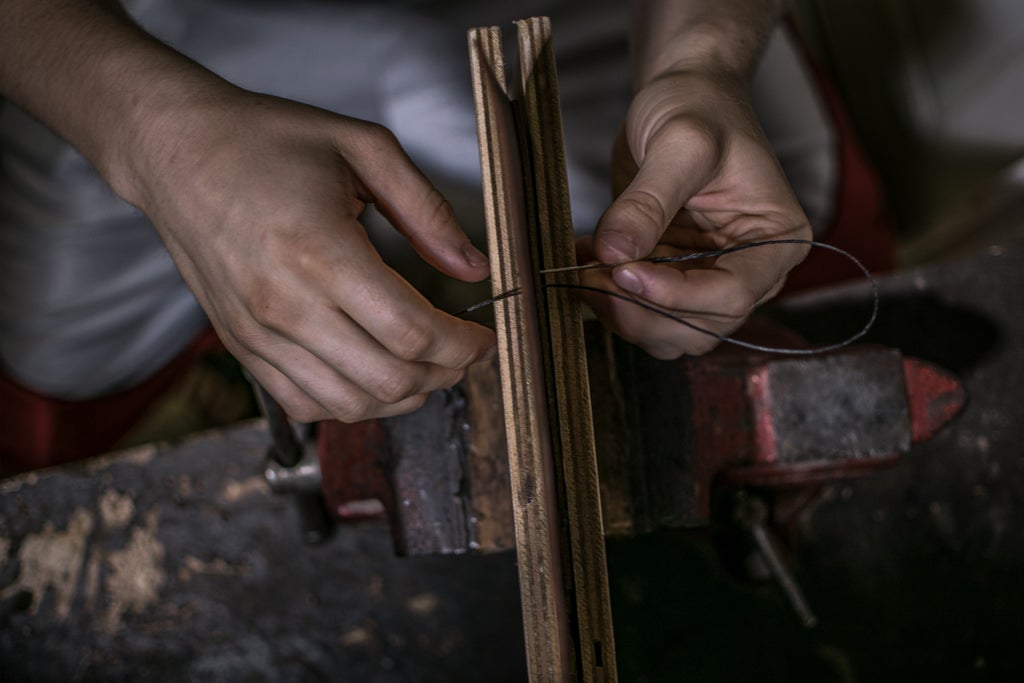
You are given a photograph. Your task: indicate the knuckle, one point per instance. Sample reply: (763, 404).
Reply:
(272, 311)
(245, 334)
(413, 342)
(440, 211)
(642, 207)
(306, 254)
(380, 136)
(394, 387)
(309, 254)
(353, 409)
(465, 357)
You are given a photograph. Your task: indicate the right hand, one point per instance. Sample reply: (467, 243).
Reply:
(693, 172)
(257, 200)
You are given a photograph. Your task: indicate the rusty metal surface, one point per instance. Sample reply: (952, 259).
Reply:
(427, 473)
(440, 474)
(751, 419)
(669, 433)
(833, 407)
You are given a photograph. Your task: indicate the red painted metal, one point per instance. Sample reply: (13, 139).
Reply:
(721, 423)
(760, 405)
(355, 470)
(736, 428)
(934, 397)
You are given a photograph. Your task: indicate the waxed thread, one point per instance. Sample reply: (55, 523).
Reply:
(700, 255)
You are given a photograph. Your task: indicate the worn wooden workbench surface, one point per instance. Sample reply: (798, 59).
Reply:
(178, 565)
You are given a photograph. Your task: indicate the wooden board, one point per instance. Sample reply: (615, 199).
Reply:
(546, 399)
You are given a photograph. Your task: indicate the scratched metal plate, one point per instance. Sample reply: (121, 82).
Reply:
(838, 407)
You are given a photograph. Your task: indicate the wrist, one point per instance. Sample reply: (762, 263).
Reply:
(166, 130)
(96, 79)
(722, 37)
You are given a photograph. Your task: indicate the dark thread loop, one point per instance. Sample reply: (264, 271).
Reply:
(708, 254)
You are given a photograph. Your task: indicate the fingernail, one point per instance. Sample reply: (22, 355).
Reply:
(474, 256)
(628, 280)
(621, 246)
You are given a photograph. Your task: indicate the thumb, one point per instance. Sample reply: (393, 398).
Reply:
(415, 207)
(679, 161)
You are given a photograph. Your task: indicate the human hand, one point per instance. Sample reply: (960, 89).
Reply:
(257, 200)
(692, 172)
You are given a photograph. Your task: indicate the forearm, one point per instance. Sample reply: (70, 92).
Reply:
(724, 36)
(91, 75)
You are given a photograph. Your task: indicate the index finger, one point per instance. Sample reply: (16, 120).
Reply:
(403, 321)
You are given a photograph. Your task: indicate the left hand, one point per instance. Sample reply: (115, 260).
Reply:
(693, 172)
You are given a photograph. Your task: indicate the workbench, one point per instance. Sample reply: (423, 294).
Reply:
(175, 562)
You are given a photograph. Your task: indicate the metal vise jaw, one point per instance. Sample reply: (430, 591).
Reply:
(670, 435)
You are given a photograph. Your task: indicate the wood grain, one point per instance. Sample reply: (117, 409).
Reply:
(486, 485)
(545, 391)
(531, 467)
(564, 349)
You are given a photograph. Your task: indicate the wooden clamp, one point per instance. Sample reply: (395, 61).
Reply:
(563, 575)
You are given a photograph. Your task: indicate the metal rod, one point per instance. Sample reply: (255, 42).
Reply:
(782, 576)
